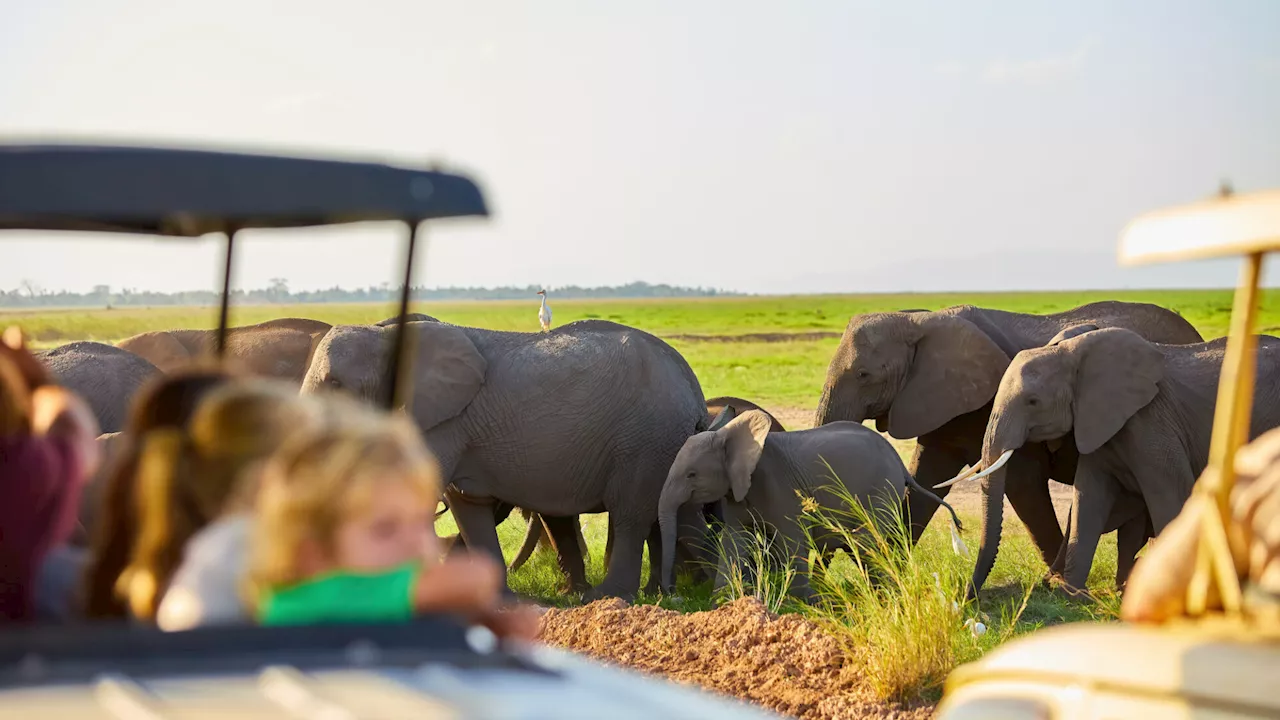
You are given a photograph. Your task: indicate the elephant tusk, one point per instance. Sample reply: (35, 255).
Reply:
(999, 463)
(964, 475)
(973, 472)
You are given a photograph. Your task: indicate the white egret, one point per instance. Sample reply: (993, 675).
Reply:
(544, 312)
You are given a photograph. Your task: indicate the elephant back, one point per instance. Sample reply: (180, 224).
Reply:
(105, 376)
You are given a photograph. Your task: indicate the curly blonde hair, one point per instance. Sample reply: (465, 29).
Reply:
(320, 479)
(187, 478)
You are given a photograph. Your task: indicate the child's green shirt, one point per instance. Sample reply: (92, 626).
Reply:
(343, 597)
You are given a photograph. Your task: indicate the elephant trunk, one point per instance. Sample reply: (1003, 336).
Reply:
(824, 413)
(997, 448)
(674, 494)
(992, 522)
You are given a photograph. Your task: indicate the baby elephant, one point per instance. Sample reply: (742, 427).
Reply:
(765, 474)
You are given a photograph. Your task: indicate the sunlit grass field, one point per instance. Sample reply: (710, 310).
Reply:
(780, 362)
(773, 350)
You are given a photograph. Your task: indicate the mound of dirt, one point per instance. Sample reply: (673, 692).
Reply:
(784, 663)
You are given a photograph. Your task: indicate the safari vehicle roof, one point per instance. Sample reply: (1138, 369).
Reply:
(188, 193)
(1207, 664)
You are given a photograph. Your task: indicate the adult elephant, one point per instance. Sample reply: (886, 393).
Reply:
(933, 375)
(585, 418)
(278, 348)
(538, 531)
(107, 377)
(1139, 414)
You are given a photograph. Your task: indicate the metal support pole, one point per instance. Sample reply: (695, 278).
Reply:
(223, 312)
(1231, 421)
(399, 376)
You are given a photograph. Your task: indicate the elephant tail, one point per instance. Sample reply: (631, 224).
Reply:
(917, 487)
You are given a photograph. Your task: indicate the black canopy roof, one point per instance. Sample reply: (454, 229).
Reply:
(188, 193)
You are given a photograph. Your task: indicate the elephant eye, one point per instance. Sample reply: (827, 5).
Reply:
(1032, 401)
(691, 474)
(863, 374)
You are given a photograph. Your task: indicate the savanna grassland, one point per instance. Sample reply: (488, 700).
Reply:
(774, 351)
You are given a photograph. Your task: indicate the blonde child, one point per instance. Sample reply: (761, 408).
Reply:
(345, 532)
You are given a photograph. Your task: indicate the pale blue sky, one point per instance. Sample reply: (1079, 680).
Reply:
(764, 147)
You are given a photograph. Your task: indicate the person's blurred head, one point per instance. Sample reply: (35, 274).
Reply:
(186, 478)
(359, 496)
(167, 402)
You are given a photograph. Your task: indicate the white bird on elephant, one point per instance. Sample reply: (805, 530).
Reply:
(544, 312)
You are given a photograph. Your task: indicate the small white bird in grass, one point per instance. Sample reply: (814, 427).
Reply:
(544, 312)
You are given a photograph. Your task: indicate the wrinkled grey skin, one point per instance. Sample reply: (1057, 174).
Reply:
(762, 474)
(933, 375)
(105, 376)
(1139, 414)
(411, 317)
(585, 418)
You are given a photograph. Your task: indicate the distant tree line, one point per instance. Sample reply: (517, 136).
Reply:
(278, 293)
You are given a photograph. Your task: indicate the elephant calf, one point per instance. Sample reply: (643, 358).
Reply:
(765, 473)
(1140, 414)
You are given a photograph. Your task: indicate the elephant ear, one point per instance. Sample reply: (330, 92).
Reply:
(722, 418)
(1116, 376)
(744, 438)
(1068, 333)
(448, 372)
(956, 369)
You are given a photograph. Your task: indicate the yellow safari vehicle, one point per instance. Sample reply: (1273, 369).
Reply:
(1213, 661)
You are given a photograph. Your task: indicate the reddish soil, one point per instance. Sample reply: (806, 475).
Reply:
(783, 663)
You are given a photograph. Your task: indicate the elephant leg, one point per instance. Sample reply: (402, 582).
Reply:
(1095, 495)
(930, 465)
(582, 539)
(1130, 538)
(564, 539)
(733, 539)
(1060, 562)
(1028, 493)
(654, 543)
(475, 524)
(795, 547)
(608, 542)
(622, 579)
(534, 537)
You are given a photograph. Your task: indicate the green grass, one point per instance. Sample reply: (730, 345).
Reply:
(786, 374)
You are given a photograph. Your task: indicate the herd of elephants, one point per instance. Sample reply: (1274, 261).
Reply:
(1113, 398)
